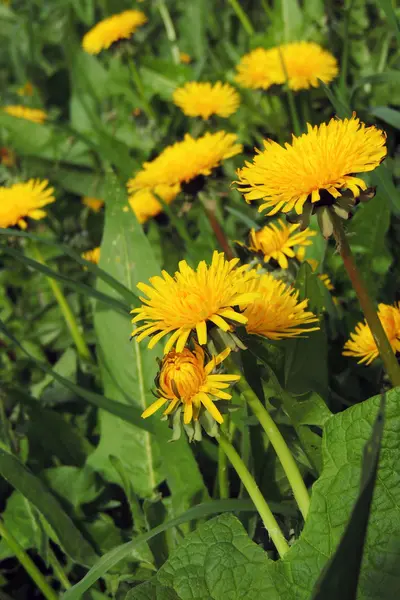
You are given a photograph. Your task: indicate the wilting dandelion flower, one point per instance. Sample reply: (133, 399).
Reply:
(7, 157)
(145, 204)
(29, 114)
(191, 299)
(186, 381)
(112, 29)
(92, 255)
(205, 99)
(95, 204)
(185, 58)
(362, 345)
(276, 313)
(278, 242)
(317, 166)
(23, 200)
(184, 160)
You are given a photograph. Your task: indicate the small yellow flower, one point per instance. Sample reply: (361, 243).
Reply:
(276, 313)
(278, 242)
(186, 381)
(145, 204)
(26, 89)
(185, 58)
(23, 200)
(204, 99)
(92, 255)
(7, 157)
(188, 301)
(112, 29)
(254, 69)
(95, 204)
(185, 160)
(30, 114)
(321, 161)
(362, 344)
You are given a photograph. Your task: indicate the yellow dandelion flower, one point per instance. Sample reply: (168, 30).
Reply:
(192, 298)
(145, 204)
(112, 29)
(362, 344)
(26, 89)
(321, 161)
(276, 313)
(185, 58)
(185, 380)
(23, 200)
(278, 242)
(305, 64)
(184, 160)
(254, 69)
(95, 204)
(205, 99)
(92, 255)
(30, 114)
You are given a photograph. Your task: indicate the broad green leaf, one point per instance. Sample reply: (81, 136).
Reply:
(292, 17)
(388, 7)
(389, 115)
(340, 577)
(72, 484)
(368, 231)
(128, 369)
(193, 27)
(383, 178)
(68, 535)
(21, 522)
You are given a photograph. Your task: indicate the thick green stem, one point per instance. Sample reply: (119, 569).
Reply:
(27, 563)
(170, 30)
(275, 437)
(255, 494)
(385, 350)
(243, 18)
(223, 480)
(67, 313)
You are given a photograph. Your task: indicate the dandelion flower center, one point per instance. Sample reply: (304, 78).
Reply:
(321, 160)
(192, 298)
(112, 29)
(185, 380)
(204, 99)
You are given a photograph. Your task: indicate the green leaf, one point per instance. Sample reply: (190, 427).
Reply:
(128, 369)
(21, 522)
(340, 577)
(387, 7)
(377, 78)
(68, 535)
(389, 115)
(383, 178)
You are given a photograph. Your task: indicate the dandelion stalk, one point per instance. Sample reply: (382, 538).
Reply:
(385, 350)
(27, 563)
(140, 88)
(255, 494)
(170, 30)
(243, 18)
(67, 313)
(223, 482)
(209, 209)
(290, 96)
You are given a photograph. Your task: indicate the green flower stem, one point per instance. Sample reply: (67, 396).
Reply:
(209, 209)
(275, 437)
(385, 350)
(58, 570)
(223, 480)
(255, 494)
(291, 101)
(170, 30)
(140, 88)
(243, 18)
(28, 564)
(68, 315)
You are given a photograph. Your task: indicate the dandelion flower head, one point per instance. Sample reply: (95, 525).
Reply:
(23, 200)
(188, 301)
(320, 162)
(279, 241)
(184, 160)
(362, 345)
(205, 99)
(112, 29)
(92, 255)
(145, 204)
(277, 312)
(95, 204)
(186, 381)
(254, 69)
(29, 114)
(185, 58)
